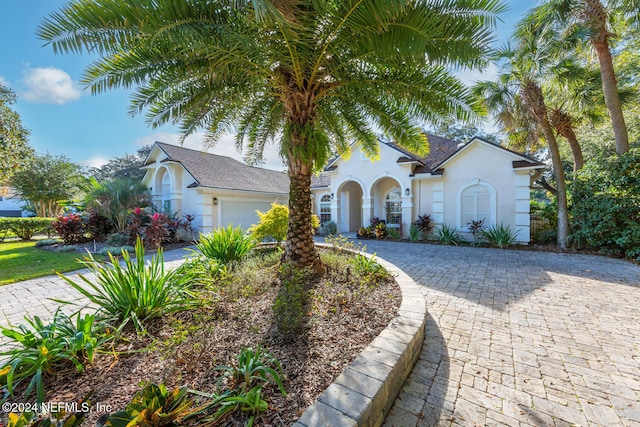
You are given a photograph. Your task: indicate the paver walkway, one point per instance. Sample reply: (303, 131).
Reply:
(513, 338)
(521, 338)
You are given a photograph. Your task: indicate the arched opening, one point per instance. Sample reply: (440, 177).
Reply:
(393, 208)
(350, 207)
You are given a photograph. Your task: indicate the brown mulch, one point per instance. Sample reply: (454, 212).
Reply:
(184, 349)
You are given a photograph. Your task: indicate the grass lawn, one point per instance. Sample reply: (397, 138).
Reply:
(22, 260)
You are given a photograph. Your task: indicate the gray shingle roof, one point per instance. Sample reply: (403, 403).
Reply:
(214, 171)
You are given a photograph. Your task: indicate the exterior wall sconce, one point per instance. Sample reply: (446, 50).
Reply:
(407, 192)
(331, 196)
(215, 201)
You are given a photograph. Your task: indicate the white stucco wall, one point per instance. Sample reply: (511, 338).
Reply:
(483, 164)
(436, 195)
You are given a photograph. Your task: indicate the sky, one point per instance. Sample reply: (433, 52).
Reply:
(64, 118)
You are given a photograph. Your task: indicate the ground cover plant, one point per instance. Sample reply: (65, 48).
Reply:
(21, 260)
(232, 349)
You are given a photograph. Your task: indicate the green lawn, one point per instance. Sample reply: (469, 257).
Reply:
(22, 260)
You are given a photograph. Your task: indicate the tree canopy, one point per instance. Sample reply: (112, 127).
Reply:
(127, 166)
(49, 181)
(315, 75)
(15, 151)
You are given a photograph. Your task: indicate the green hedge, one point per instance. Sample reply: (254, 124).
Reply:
(24, 228)
(606, 205)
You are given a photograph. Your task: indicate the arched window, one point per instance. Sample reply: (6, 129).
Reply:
(476, 204)
(325, 209)
(393, 208)
(166, 193)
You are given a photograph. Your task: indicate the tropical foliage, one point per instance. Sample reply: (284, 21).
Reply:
(225, 245)
(40, 346)
(317, 75)
(134, 291)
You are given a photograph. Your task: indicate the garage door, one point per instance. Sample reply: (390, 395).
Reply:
(242, 213)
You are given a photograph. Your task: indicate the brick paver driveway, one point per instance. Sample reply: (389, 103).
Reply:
(521, 338)
(513, 338)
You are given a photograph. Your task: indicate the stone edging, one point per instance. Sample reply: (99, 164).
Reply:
(365, 391)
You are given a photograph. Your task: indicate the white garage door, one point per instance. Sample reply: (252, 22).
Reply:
(242, 213)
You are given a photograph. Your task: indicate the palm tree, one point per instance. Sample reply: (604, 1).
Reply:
(593, 18)
(314, 74)
(520, 104)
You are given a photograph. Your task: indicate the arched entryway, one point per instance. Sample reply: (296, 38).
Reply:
(350, 207)
(386, 195)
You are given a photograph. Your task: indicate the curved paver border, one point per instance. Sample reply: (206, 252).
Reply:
(365, 391)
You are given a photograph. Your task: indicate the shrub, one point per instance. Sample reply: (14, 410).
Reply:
(447, 235)
(501, 236)
(225, 245)
(48, 242)
(254, 367)
(154, 405)
(369, 270)
(25, 228)
(158, 230)
(423, 223)
(118, 239)
(475, 227)
(38, 347)
(116, 250)
(380, 230)
(374, 221)
(606, 204)
(71, 228)
(98, 226)
(115, 199)
(136, 291)
(415, 233)
(272, 224)
(394, 233)
(329, 228)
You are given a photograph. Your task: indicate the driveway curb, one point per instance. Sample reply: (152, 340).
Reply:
(365, 391)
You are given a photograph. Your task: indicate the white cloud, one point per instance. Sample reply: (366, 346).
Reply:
(4, 82)
(471, 77)
(50, 86)
(224, 147)
(95, 162)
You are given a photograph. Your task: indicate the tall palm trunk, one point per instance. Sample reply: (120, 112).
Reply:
(299, 246)
(596, 13)
(534, 100)
(563, 124)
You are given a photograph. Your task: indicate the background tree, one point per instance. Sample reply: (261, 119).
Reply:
(48, 182)
(317, 75)
(15, 151)
(462, 132)
(127, 166)
(593, 19)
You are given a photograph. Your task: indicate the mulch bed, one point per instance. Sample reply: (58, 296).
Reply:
(343, 317)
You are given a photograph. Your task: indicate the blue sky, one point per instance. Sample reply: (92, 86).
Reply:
(65, 119)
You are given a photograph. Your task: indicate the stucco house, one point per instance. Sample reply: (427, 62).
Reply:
(218, 190)
(454, 184)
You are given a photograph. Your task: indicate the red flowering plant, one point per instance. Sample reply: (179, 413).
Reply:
(158, 230)
(71, 228)
(138, 220)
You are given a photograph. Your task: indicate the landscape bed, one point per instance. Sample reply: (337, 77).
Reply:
(345, 311)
